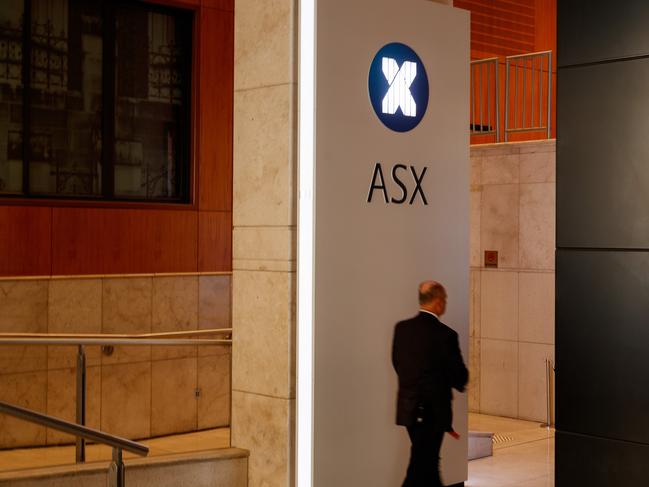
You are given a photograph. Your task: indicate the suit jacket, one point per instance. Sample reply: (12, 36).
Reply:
(426, 356)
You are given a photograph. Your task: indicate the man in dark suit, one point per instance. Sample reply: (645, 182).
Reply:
(426, 356)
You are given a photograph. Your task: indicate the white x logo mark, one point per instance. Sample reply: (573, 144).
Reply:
(399, 94)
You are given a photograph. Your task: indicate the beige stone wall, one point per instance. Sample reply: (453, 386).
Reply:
(264, 219)
(512, 307)
(136, 392)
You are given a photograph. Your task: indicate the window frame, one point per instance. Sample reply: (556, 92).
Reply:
(106, 198)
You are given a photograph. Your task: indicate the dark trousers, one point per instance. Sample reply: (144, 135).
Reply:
(423, 469)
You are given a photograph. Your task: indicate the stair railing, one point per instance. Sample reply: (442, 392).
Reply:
(116, 477)
(107, 341)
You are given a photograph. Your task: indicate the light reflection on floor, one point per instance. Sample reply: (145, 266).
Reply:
(524, 459)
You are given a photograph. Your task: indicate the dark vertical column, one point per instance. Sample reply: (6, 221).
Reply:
(602, 271)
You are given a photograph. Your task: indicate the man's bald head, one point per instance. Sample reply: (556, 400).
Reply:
(432, 297)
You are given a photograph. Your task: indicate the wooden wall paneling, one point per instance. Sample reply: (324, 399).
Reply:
(25, 241)
(124, 242)
(215, 241)
(77, 240)
(172, 240)
(216, 88)
(179, 3)
(220, 4)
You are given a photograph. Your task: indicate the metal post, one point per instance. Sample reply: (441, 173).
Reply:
(481, 69)
(532, 100)
(81, 402)
(506, 97)
(515, 93)
(549, 94)
(473, 98)
(548, 392)
(497, 107)
(116, 473)
(524, 91)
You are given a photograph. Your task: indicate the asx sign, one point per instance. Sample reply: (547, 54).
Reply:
(398, 87)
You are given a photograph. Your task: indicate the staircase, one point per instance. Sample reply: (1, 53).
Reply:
(210, 468)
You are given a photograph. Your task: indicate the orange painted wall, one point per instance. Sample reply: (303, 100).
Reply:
(502, 28)
(73, 238)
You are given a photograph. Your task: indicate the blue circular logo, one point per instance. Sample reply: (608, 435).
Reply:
(398, 87)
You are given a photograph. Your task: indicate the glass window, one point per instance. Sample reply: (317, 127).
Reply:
(11, 96)
(108, 110)
(151, 108)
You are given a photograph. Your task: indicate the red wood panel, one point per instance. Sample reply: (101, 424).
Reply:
(216, 91)
(220, 4)
(122, 241)
(215, 241)
(172, 239)
(25, 245)
(178, 3)
(77, 234)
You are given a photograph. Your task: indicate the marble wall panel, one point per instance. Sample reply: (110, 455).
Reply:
(23, 308)
(537, 225)
(264, 244)
(532, 395)
(499, 378)
(500, 168)
(536, 307)
(263, 348)
(173, 396)
(215, 396)
(62, 400)
(499, 222)
(232, 472)
(126, 399)
(74, 306)
(475, 172)
(263, 147)
(264, 425)
(214, 301)
(498, 149)
(538, 164)
(115, 305)
(475, 279)
(28, 390)
(174, 308)
(473, 388)
(516, 187)
(264, 43)
(499, 305)
(127, 308)
(475, 258)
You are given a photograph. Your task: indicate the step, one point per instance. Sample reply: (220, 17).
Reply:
(480, 444)
(226, 467)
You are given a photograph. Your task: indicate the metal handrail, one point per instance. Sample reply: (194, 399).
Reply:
(117, 339)
(114, 341)
(116, 469)
(81, 340)
(210, 331)
(74, 429)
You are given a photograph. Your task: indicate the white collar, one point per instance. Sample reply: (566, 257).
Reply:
(430, 313)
